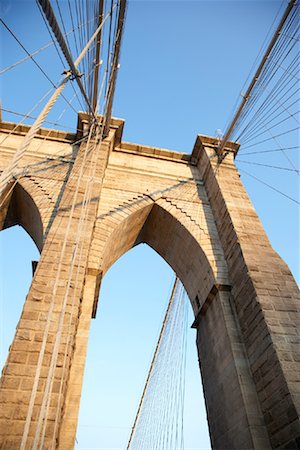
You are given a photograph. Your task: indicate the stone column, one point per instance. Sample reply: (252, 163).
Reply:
(265, 296)
(37, 386)
(67, 432)
(233, 411)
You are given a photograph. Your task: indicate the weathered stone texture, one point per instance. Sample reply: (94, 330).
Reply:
(84, 210)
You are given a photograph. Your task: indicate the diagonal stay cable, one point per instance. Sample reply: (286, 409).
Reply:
(32, 58)
(28, 116)
(269, 186)
(115, 65)
(264, 109)
(6, 174)
(281, 84)
(257, 73)
(26, 51)
(277, 95)
(267, 165)
(50, 16)
(271, 150)
(279, 54)
(268, 139)
(152, 363)
(57, 50)
(44, 412)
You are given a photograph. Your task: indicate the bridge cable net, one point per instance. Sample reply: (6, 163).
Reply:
(95, 40)
(158, 424)
(267, 125)
(101, 97)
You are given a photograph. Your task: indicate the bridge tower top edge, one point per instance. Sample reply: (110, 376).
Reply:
(118, 124)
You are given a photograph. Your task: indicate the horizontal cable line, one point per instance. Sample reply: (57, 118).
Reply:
(262, 111)
(36, 63)
(256, 97)
(30, 55)
(34, 118)
(256, 135)
(252, 127)
(263, 79)
(268, 151)
(277, 87)
(36, 52)
(285, 70)
(267, 103)
(268, 165)
(277, 135)
(26, 51)
(290, 37)
(287, 18)
(27, 115)
(258, 123)
(269, 186)
(282, 83)
(283, 152)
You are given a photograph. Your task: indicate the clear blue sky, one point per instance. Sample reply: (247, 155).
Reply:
(183, 65)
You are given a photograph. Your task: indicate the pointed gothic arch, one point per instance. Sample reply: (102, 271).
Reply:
(170, 201)
(22, 210)
(151, 223)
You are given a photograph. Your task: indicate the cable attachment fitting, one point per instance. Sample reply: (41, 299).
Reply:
(72, 76)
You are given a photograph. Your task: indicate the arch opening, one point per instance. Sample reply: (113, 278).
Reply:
(23, 211)
(17, 251)
(176, 248)
(172, 240)
(21, 241)
(134, 295)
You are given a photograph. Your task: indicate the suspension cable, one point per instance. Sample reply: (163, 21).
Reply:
(5, 176)
(152, 362)
(256, 76)
(97, 57)
(269, 186)
(50, 16)
(117, 47)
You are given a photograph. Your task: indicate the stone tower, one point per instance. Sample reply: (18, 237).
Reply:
(85, 205)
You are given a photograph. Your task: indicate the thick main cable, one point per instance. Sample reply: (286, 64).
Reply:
(6, 174)
(50, 16)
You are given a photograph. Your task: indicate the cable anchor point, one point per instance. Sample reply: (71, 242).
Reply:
(72, 75)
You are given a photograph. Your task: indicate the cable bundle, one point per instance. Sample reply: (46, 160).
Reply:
(159, 420)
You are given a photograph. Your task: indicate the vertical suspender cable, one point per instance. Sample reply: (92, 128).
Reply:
(97, 59)
(51, 18)
(6, 174)
(152, 363)
(113, 77)
(39, 365)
